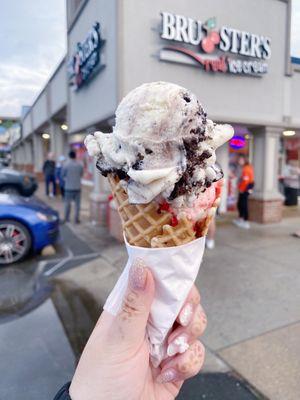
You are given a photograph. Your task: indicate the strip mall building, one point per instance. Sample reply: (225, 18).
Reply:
(235, 58)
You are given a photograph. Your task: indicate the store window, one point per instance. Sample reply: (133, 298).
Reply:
(289, 181)
(240, 144)
(292, 149)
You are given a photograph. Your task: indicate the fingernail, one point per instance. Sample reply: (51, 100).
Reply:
(186, 314)
(138, 275)
(179, 345)
(168, 375)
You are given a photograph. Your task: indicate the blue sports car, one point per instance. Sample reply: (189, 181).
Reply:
(25, 224)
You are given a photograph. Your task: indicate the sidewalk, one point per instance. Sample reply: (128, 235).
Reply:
(250, 289)
(36, 357)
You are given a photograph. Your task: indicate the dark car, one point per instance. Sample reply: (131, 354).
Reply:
(15, 182)
(25, 224)
(4, 163)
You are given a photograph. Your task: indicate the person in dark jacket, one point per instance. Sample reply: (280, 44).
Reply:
(58, 174)
(71, 174)
(49, 174)
(291, 181)
(245, 186)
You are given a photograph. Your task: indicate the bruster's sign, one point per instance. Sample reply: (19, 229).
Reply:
(86, 61)
(217, 50)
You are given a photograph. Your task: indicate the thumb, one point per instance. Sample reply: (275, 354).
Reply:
(133, 316)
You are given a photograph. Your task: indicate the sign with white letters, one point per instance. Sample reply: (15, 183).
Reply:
(217, 50)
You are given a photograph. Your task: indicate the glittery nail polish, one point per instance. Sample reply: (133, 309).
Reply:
(138, 275)
(185, 315)
(178, 345)
(168, 375)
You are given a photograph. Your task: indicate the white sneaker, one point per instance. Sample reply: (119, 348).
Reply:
(238, 222)
(51, 195)
(245, 225)
(210, 244)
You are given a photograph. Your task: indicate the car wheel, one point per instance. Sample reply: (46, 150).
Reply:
(9, 189)
(15, 241)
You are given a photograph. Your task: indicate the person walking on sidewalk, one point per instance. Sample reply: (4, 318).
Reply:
(49, 174)
(58, 174)
(245, 186)
(291, 181)
(71, 173)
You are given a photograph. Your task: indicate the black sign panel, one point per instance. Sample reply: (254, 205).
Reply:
(86, 61)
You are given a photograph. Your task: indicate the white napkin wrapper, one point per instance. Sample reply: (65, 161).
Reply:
(174, 270)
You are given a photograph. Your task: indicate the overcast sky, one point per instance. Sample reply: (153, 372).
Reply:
(33, 42)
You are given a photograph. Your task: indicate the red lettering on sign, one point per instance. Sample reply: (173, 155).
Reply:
(215, 65)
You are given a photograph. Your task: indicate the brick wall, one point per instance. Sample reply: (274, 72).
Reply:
(28, 168)
(265, 211)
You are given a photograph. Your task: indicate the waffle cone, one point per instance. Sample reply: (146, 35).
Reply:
(145, 226)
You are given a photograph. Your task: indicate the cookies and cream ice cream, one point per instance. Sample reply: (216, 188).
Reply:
(162, 148)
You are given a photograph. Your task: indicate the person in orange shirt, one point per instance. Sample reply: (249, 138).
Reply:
(245, 186)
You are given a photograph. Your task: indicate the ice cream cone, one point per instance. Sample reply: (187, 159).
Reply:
(163, 148)
(145, 225)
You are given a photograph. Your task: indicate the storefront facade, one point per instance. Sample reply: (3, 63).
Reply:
(234, 58)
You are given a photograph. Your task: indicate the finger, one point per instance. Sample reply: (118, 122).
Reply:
(199, 323)
(192, 300)
(180, 339)
(183, 366)
(132, 318)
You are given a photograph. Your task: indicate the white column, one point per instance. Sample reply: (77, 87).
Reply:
(265, 203)
(17, 156)
(58, 139)
(52, 132)
(32, 151)
(99, 195)
(13, 156)
(15, 161)
(223, 159)
(28, 161)
(22, 155)
(99, 198)
(38, 152)
(265, 160)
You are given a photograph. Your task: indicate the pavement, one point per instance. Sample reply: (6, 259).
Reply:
(36, 357)
(250, 290)
(249, 287)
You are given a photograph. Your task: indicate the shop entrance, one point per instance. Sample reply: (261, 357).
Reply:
(290, 169)
(77, 144)
(240, 144)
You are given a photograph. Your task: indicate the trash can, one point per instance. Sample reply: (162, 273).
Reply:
(291, 196)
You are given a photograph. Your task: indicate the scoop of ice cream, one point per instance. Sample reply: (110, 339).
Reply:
(162, 145)
(197, 206)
